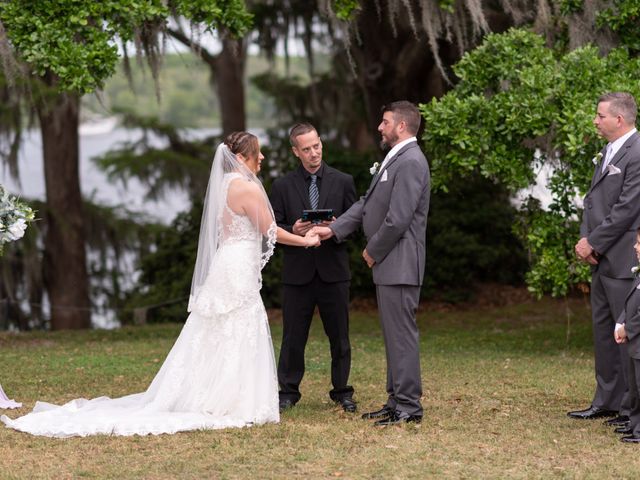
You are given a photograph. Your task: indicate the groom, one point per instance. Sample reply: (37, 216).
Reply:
(393, 214)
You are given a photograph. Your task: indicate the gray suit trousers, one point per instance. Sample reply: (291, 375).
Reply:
(607, 303)
(397, 305)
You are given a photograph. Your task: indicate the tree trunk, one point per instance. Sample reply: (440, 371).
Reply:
(65, 262)
(229, 79)
(227, 74)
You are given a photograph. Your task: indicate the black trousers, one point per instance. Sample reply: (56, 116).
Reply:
(298, 305)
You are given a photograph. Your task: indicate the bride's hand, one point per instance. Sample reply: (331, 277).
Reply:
(312, 239)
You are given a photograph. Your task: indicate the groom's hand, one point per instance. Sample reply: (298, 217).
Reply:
(368, 258)
(324, 232)
(301, 228)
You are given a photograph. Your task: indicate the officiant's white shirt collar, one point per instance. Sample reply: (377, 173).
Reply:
(617, 144)
(395, 150)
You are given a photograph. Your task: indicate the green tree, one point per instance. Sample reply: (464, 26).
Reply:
(64, 49)
(519, 107)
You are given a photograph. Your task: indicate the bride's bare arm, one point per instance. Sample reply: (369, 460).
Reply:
(311, 239)
(253, 202)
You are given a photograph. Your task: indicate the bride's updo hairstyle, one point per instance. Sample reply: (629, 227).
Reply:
(243, 143)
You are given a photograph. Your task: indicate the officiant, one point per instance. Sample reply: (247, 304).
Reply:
(316, 277)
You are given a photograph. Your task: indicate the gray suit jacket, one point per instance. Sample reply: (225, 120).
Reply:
(393, 214)
(631, 318)
(612, 211)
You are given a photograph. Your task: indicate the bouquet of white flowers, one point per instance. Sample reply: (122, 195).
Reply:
(14, 216)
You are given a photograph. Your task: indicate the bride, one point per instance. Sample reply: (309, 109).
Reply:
(221, 371)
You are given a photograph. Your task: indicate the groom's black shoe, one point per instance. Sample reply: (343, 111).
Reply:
(347, 404)
(619, 421)
(591, 413)
(398, 417)
(286, 404)
(384, 412)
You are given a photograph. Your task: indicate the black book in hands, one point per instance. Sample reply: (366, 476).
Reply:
(317, 216)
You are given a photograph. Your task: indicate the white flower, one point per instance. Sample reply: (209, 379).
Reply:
(374, 168)
(16, 230)
(14, 218)
(635, 270)
(597, 158)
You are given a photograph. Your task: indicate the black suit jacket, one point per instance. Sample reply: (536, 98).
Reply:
(289, 196)
(631, 319)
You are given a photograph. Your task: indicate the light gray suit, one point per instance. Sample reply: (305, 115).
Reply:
(393, 214)
(610, 219)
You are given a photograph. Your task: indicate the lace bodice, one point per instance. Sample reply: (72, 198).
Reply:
(233, 226)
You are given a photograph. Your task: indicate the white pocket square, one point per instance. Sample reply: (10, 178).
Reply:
(613, 170)
(384, 176)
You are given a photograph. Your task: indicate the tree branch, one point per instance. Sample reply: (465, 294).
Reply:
(198, 49)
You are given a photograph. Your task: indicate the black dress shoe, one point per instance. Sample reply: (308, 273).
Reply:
(398, 417)
(384, 412)
(591, 413)
(286, 404)
(619, 421)
(347, 404)
(623, 430)
(630, 439)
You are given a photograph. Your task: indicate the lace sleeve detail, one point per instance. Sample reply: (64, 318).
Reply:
(269, 243)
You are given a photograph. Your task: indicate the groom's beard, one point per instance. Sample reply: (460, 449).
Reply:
(390, 140)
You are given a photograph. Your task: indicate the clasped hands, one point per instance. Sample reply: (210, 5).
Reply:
(323, 232)
(585, 251)
(309, 231)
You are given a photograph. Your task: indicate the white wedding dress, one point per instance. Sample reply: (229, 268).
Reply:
(220, 372)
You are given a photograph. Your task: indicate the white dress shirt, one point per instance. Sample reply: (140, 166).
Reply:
(396, 148)
(613, 147)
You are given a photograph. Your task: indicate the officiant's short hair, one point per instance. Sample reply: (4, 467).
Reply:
(405, 111)
(300, 129)
(621, 103)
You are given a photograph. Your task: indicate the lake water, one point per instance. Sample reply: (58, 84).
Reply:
(95, 141)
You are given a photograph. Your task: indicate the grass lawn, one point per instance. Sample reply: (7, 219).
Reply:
(497, 384)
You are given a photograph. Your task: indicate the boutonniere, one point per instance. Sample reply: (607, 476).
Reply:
(374, 168)
(636, 271)
(597, 158)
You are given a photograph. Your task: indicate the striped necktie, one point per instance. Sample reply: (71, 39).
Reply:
(313, 192)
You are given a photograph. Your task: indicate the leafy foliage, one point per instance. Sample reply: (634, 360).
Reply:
(345, 9)
(623, 18)
(470, 240)
(518, 107)
(74, 40)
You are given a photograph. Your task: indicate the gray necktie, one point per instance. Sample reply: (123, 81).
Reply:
(313, 192)
(607, 157)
